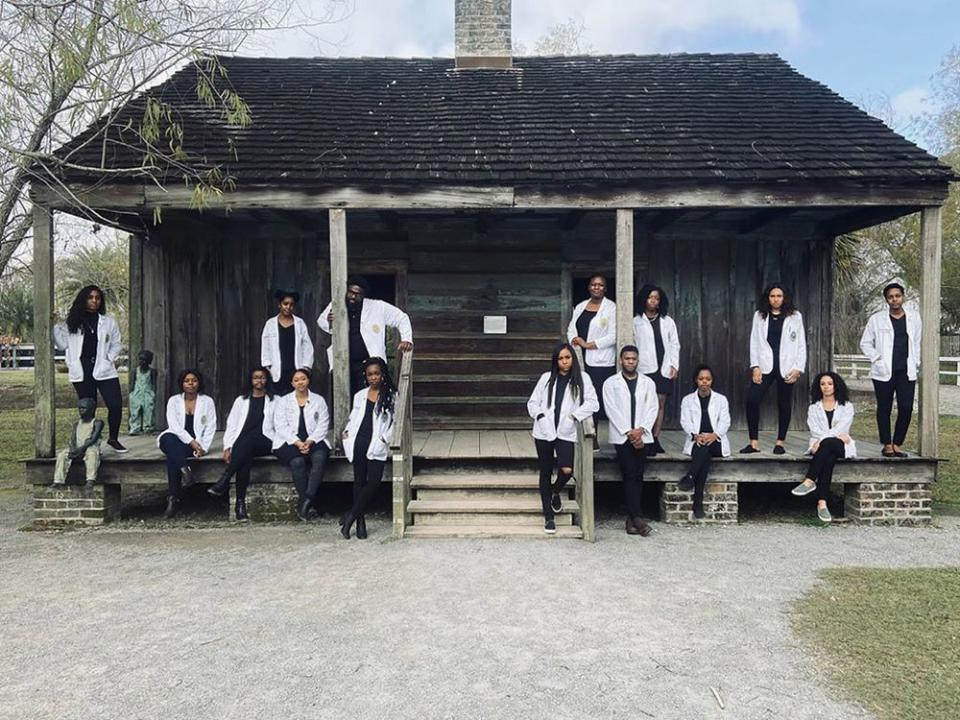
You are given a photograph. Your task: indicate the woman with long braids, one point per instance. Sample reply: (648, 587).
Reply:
(562, 397)
(658, 345)
(366, 441)
(91, 339)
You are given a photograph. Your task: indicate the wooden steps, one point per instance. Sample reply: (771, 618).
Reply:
(491, 532)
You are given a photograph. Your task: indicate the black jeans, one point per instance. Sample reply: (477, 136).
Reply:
(632, 462)
(178, 455)
(305, 470)
(109, 391)
(553, 454)
(821, 467)
(904, 389)
(755, 395)
(598, 376)
(247, 447)
(701, 459)
(367, 476)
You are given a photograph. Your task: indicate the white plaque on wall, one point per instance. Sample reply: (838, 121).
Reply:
(494, 324)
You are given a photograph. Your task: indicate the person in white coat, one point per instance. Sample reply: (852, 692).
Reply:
(631, 402)
(778, 356)
(705, 419)
(368, 322)
(249, 435)
(285, 344)
(366, 441)
(593, 328)
(191, 424)
(301, 424)
(658, 343)
(562, 397)
(829, 418)
(91, 339)
(892, 342)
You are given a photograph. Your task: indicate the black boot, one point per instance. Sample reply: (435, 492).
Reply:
(362, 527)
(171, 510)
(303, 509)
(686, 483)
(346, 521)
(241, 510)
(221, 487)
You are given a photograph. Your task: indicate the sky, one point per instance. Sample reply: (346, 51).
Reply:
(880, 54)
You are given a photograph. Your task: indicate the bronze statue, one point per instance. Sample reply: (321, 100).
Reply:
(143, 395)
(84, 443)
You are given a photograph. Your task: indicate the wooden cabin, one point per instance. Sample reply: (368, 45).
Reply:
(482, 191)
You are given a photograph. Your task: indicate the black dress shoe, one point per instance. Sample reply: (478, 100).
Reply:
(900, 454)
(779, 450)
(241, 511)
(686, 483)
(171, 510)
(362, 528)
(748, 449)
(221, 487)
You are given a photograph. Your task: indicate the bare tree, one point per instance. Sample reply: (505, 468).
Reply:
(566, 38)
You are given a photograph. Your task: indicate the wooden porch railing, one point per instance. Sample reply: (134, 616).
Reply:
(401, 445)
(583, 469)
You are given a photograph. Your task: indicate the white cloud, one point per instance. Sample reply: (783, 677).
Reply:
(910, 103)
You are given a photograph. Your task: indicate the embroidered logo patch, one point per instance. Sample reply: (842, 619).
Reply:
(603, 322)
(376, 328)
(793, 334)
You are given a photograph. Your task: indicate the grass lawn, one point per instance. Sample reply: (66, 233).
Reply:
(889, 639)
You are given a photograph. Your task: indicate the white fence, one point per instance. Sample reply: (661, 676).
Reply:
(857, 367)
(20, 357)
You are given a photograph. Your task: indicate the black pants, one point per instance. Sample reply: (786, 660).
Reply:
(553, 454)
(701, 457)
(305, 470)
(178, 455)
(598, 376)
(367, 476)
(632, 462)
(784, 404)
(109, 391)
(357, 379)
(247, 447)
(904, 389)
(821, 467)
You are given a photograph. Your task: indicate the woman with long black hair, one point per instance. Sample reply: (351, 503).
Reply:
(366, 440)
(91, 339)
(249, 435)
(658, 344)
(563, 397)
(593, 327)
(285, 344)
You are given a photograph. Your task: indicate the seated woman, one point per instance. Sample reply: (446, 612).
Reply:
(562, 397)
(829, 418)
(705, 419)
(249, 435)
(301, 422)
(191, 423)
(366, 441)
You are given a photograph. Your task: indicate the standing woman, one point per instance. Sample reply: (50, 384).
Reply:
(249, 435)
(366, 441)
(91, 339)
(705, 419)
(829, 418)
(593, 328)
(191, 423)
(562, 397)
(285, 344)
(778, 356)
(301, 423)
(656, 337)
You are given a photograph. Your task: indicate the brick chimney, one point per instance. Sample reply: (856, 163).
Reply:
(483, 33)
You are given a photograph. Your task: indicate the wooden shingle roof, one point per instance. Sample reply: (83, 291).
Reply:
(586, 120)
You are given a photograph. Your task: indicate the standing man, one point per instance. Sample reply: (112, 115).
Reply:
(369, 320)
(632, 405)
(892, 342)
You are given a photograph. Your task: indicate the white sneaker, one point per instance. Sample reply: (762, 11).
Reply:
(824, 515)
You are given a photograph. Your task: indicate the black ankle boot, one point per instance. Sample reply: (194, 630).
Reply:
(171, 510)
(221, 487)
(346, 521)
(362, 527)
(303, 510)
(241, 510)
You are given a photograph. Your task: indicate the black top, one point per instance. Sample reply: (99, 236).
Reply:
(829, 417)
(88, 326)
(901, 343)
(559, 390)
(583, 322)
(302, 426)
(774, 333)
(254, 421)
(658, 341)
(632, 386)
(365, 431)
(188, 426)
(358, 348)
(705, 425)
(287, 340)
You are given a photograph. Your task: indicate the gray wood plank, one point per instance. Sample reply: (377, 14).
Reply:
(466, 444)
(493, 443)
(438, 444)
(520, 444)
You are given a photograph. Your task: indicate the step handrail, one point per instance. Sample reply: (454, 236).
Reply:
(401, 445)
(583, 467)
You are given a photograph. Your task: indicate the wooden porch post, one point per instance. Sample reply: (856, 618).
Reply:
(43, 370)
(624, 279)
(135, 305)
(931, 235)
(341, 326)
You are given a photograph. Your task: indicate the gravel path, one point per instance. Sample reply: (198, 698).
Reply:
(291, 622)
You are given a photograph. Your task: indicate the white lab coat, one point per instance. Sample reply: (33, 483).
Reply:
(238, 416)
(375, 317)
(842, 420)
(286, 420)
(643, 337)
(572, 410)
(109, 348)
(270, 346)
(602, 331)
(718, 408)
(204, 420)
(793, 345)
(877, 344)
(616, 403)
(382, 429)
